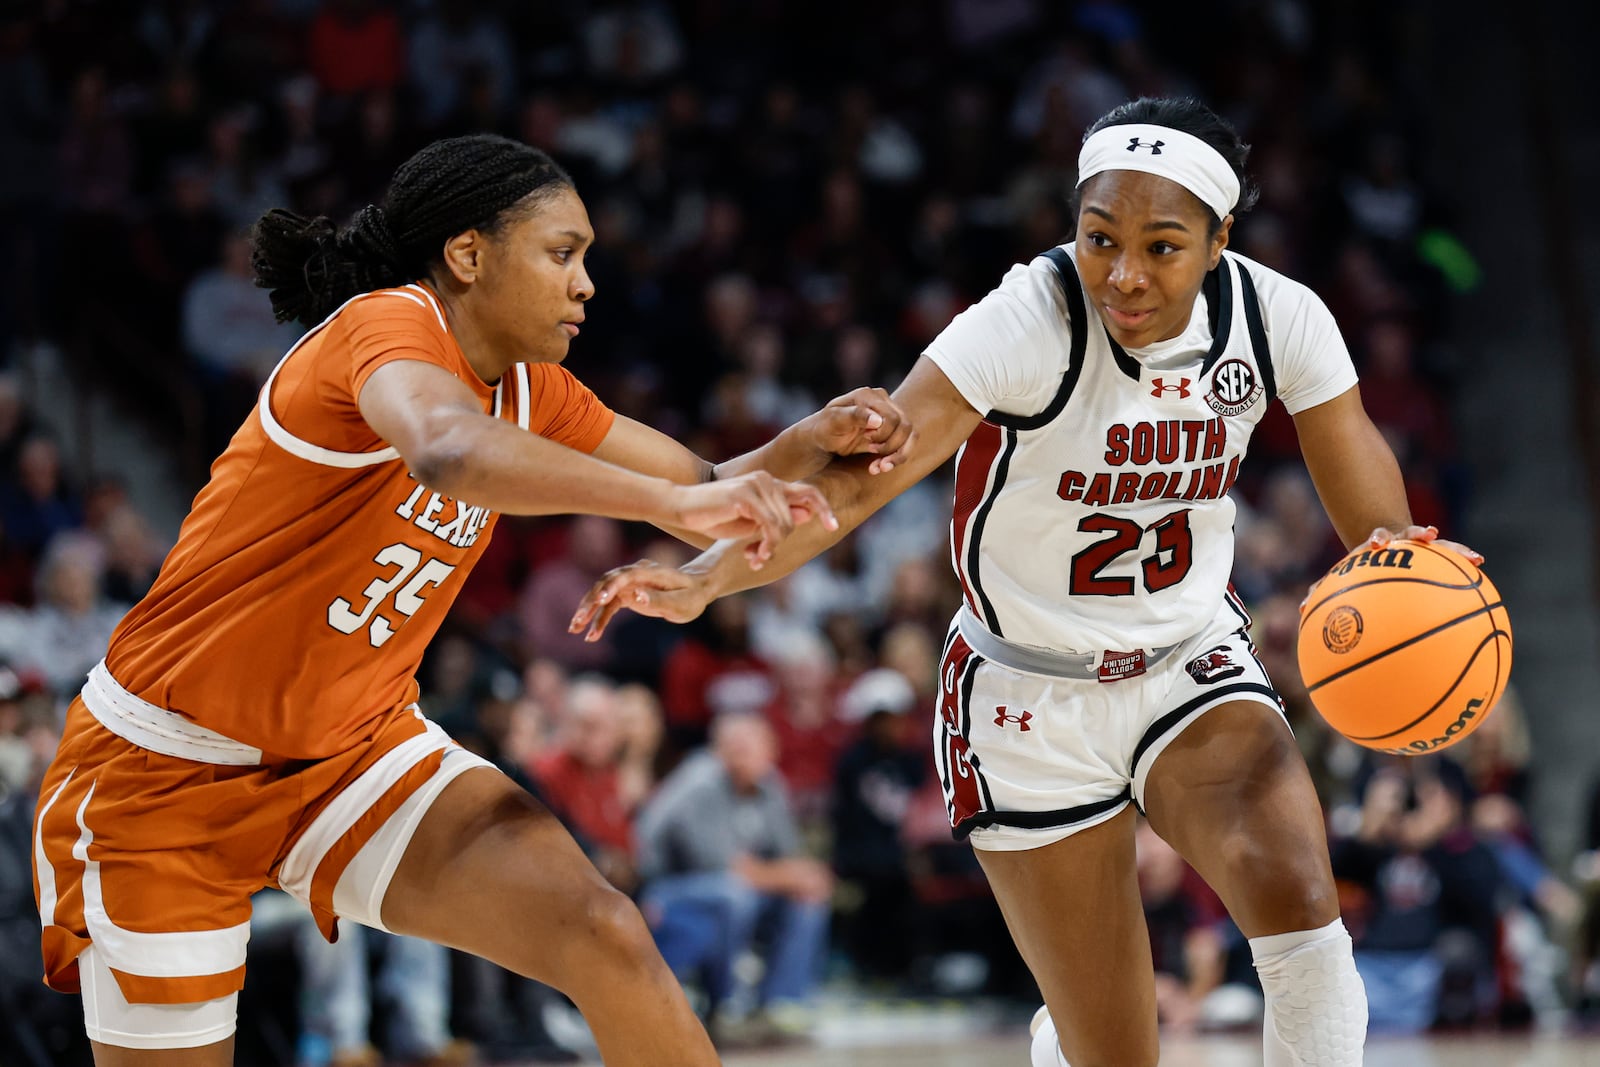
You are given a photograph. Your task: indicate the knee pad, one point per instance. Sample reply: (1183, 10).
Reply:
(1316, 1003)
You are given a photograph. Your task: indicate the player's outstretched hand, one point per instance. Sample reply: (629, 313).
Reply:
(1427, 534)
(754, 505)
(864, 420)
(647, 587)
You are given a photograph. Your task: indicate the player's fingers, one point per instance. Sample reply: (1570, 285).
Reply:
(902, 447)
(1461, 550)
(602, 619)
(892, 422)
(807, 502)
(1380, 537)
(614, 585)
(768, 531)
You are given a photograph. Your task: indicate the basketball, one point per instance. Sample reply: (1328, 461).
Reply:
(1404, 648)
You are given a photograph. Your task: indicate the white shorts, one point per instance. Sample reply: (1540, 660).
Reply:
(1027, 759)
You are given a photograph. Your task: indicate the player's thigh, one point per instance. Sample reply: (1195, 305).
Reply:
(1232, 794)
(491, 871)
(1073, 909)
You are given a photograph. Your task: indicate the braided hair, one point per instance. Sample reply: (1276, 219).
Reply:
(479, 182)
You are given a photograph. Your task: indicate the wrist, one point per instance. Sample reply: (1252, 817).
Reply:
(706, 570)
(663, 503)
(809, 434)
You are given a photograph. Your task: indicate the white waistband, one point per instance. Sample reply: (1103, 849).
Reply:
(1048, 663)
(158, 729)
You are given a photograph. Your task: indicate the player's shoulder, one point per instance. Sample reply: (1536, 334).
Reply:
(1036, 284)
(411, 306)
(1274, 288)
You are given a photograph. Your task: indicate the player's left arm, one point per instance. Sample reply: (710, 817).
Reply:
(864, 420)
(1357, 476)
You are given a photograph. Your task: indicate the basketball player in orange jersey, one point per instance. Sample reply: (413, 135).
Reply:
(254, 720)
(1102, 398)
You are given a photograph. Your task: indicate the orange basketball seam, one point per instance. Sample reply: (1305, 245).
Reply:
(1500, 685)
(1305, 615)
(1492, 637)
(1404, 644)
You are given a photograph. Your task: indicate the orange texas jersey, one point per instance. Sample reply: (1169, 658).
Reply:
(313, 569)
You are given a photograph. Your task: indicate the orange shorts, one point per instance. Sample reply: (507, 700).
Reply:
(153, 857)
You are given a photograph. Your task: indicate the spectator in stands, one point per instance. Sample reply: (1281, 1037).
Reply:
(341, 980)
(132, 554)
(724, 870)
(453, 47)
(1190, 940)
(804, 713)
(227, 328)
(354, 46)
(582, 779)
(1425, 934)
(713, 672)
(872, 790)
(642, 730)
(37, 1029)
(70, 624)
(36, 503)
(16, 420)
(594, 545)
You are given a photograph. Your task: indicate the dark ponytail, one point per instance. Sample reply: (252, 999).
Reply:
(479, 182)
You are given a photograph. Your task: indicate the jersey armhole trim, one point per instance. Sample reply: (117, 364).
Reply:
(1258, 333)
(1072, 290)
(328, 457)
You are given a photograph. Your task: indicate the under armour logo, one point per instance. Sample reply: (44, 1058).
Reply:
(1159, 387)
(1001, 717)
(1134, 144)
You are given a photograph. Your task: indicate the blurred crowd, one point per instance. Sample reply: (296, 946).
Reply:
(790, 200)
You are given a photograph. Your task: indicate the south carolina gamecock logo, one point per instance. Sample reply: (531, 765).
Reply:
(1213, 666)
(1342, 630)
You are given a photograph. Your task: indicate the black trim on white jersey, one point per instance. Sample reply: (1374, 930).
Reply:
(975, 536)
(1258, 334)
(1216, 696)
(1072, 289)
(1041, 820)
(1218, 289)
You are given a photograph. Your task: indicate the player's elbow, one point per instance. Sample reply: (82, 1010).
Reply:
(442, 461)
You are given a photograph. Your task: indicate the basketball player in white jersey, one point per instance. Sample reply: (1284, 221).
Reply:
(1103, 397)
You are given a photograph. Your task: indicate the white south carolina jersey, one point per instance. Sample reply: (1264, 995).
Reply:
(1091, 507)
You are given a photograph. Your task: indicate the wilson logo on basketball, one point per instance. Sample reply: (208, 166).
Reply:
(1002, 716)
(1160, 388)
(1399, 558)
(1234, 387)
(1341, 631)
(1468, 713)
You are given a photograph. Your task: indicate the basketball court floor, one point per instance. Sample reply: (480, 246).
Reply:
(1464, 1051)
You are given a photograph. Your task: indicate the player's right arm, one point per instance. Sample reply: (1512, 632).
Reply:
(944, 419)
(450, 445)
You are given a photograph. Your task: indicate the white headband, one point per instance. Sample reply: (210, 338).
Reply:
(1166, 152)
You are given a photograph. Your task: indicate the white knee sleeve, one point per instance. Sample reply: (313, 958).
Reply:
(1316, 1004)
